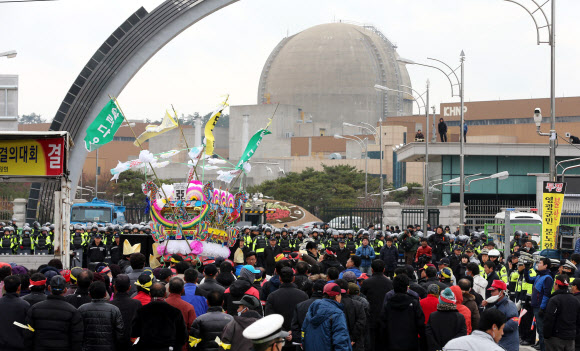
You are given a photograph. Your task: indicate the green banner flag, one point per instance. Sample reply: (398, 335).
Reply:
(252, 146)
(104, 127)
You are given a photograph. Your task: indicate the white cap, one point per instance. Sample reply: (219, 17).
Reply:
(265, 329)
(494, 253)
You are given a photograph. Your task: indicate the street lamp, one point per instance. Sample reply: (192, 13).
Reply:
(9, 54)
(372, 129)
(551, 26)
(459, 83)
(426, 165)
(500, 176)
(128, 195)
(366, 145)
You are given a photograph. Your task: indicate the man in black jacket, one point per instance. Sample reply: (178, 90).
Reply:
(390, 255)
(13, 310)
(209, 283)
(270, 253)
(562, 317)
(210, 325)
(301, 278)
(102, 321)
(489, 268)
(356, 319)
(37, 286)
(57, 324)
(342, 253)
(128, 308)
(301, 310)
(284, 300)
(375, 288)
(159, 325)
(402, 309)
(81, 294)
(442, 128)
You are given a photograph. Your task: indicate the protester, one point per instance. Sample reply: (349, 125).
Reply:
(128, 308)
(499, 300)
(429, 303)
(479, 282)
(37, 289)
(149, 318)
(198, 302)
(389, 255)
(14, 309)
(210, 325)
(356, 319)
(176, 289)
(81, 294)
(137, 262)
(284, 300)
(485, 338)
(466, 312)
(469, 302)
(562, 317)
(209, 283)
(446, 323)
(143, 285)
(541, 291)
(301, 310)
(402, 310)
(367, 255)
(375, 288)
(232, 337)
(325, 327)
(102, 322)
(57, 325)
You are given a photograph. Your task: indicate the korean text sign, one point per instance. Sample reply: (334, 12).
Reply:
(32, 157)
(552, 204)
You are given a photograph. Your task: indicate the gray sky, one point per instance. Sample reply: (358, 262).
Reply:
(225, 52)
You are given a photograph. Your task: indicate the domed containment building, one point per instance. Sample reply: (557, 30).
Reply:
(330, 71)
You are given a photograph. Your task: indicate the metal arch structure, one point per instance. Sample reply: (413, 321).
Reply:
(108, 71)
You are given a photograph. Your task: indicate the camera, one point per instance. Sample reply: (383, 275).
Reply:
(567, 134)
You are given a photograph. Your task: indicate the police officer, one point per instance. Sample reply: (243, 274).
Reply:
(25, 243)
(266, 333)
(115, 249)
(523, 299)
(378, 243)
(499, 267)
(96, 251)
(260, 244)
(8, 241)
(285, 242)
(42, 242)
(297, 240)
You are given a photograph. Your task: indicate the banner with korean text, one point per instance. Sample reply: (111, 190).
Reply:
(32, 157)
(552, 204)
(104, 127)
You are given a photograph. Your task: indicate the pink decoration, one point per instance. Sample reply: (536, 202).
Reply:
(160, 250)
(196, 247)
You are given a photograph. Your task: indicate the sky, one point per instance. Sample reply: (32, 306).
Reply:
(225, 52)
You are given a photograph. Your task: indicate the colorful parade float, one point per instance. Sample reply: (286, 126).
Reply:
(193, 219)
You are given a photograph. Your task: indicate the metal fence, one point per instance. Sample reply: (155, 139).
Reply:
(351, 217)
(480, 212)
(6, 209)
(414, 215)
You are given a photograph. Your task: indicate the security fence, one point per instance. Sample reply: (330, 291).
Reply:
(6, 209)
(352, 217)
(414, 215)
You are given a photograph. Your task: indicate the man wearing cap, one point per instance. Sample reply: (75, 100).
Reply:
(511, 339)
(266, 334)
(242, 286)
(232, 337)
(115, 249)
(342, 253)
(270, 253)
(209, 283)
(54, 324)
(499, 267)
(562, 317)
(325, 328)
(97, 250)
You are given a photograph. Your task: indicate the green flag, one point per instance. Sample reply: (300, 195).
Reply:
(104, 127)
(252, 146)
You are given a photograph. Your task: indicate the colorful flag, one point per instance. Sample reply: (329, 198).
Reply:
(210, 125)
(252, 146)
(152, 130)
(104, 127)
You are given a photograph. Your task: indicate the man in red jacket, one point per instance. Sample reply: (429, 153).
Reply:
(424, 249)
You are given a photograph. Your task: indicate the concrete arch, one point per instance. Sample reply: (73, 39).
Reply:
(108, 71)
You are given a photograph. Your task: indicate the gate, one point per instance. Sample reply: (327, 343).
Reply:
(415, 216)
(352, 217)
(6, 209)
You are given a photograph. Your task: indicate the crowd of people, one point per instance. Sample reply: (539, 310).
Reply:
(291, 289)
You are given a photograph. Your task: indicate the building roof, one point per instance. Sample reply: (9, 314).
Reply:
(415, 152)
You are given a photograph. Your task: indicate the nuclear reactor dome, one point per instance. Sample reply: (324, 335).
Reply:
(330, 71)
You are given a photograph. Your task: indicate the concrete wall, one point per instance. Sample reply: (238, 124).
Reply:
(8, 93)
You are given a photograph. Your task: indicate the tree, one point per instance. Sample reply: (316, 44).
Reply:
(413, 195)
(32, 118)
(334, 186)
(131, 182)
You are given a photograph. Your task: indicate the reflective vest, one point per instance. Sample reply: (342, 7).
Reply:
(482, 272)
(377, 246)
(7, 241)
(42, 242)
(285, 244)
(502, 272)
(351, 246)
(26, 242)
(260, 244)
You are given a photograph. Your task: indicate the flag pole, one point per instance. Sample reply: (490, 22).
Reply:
(183, 135)
(154, 173)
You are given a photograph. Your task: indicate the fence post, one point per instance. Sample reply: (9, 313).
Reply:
(392, 214)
